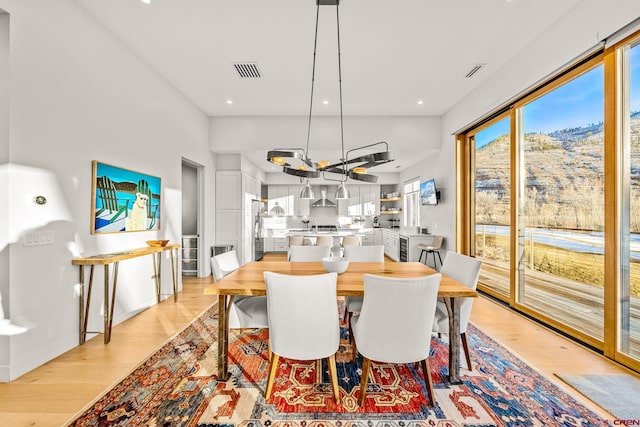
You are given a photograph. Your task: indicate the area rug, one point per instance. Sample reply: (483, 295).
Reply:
(618, 394)
(178, 386)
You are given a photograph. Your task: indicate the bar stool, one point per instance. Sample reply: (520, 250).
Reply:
(433, 248)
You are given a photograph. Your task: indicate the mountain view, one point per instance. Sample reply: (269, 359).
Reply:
(564, 178)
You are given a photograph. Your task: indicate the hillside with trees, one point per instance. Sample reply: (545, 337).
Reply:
(563, 178)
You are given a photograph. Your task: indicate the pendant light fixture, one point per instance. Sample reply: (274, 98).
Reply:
(296, 161)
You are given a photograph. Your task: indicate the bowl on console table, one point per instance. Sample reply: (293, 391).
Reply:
(157, 243)
(335, 264)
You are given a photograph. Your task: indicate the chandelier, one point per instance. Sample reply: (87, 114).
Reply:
(353, 164)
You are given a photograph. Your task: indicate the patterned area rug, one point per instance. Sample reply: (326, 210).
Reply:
(178, 386)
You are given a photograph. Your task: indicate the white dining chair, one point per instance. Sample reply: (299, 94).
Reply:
(360, 254)
(303, 319)
(394, 325)
(350, 241)
(466, 270)
(324, 241)
(308, 253)
(246, 312)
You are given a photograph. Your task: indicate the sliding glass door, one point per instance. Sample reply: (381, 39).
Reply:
(561, 272)
(491, 205)
(629, 294)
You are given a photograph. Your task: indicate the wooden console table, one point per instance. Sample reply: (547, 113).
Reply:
(115, 258)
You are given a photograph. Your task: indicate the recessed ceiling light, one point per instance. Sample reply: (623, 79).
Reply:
(420, 102)
(146, 1)
(325, 102)
(229, 101)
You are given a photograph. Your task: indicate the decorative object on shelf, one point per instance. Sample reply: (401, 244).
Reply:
(123, 200)
(296, 161)
(157, 243)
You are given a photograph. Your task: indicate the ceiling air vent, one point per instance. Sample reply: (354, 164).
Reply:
(247, 70)
(474, 70)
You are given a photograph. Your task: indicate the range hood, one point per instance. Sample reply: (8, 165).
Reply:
(323, 202)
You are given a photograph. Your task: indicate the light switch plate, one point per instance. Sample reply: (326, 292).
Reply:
(32, 238)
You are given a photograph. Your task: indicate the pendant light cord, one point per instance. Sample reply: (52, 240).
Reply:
(313, 78)
(344, 165)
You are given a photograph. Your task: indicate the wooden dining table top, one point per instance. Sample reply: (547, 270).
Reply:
(249, 278)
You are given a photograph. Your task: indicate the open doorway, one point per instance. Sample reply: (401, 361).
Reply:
(192, 243)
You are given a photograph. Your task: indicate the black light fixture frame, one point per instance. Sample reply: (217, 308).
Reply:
(309, 169)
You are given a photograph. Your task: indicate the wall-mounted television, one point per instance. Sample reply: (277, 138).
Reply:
(428, 193)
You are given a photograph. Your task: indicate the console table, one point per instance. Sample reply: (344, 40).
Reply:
(115, 258)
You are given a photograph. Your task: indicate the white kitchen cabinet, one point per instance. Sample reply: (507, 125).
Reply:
(391, 242)
(280, 244)
(354, 208)
(279, 195)
(368, 239)
(370, 199)
(377, 237)
(268, 244)
(300, 207)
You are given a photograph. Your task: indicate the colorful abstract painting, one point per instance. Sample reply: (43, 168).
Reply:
(123, 200)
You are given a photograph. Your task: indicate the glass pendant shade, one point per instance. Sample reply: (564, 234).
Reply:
(342, 192)
(307, 192)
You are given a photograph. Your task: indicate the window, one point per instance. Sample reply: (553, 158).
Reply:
(412, 203)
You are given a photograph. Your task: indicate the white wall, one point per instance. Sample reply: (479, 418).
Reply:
(77, 94)
(4, 181)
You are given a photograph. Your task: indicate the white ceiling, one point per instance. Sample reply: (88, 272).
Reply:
(394, 53)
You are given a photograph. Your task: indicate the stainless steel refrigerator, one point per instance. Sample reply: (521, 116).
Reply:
(258, 239)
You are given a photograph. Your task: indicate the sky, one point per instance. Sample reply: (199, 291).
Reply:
(577, 103)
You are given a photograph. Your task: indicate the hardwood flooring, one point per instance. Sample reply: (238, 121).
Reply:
(54, 393)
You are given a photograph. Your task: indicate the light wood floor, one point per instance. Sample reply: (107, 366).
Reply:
(54, 393)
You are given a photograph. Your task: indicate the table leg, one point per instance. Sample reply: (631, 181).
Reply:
(107, 336)
(81, 327)
(109, 303)
(223, 336)
(84, 305)
(156, 274)
(174, 273)
(453, 307)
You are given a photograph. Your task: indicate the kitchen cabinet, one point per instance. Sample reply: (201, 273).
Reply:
(370, 199)
(300, 207)
(190, 255)
(368, 238)
(377, 236)
(364, 200)
(391, 242)
(354, 208)
(278, 195)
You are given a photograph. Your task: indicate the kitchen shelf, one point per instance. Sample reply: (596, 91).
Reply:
(390, 212)
(392, 199)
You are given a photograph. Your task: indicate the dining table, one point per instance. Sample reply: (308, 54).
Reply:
(248, 280)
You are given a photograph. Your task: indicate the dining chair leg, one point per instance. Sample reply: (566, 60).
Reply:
(354, 346)
(465, 346)
(273, 367)
(366, 367)
(333, 375)
(426, 369)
